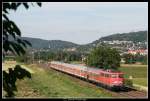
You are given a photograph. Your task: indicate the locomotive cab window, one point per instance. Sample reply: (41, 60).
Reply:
(114, 76)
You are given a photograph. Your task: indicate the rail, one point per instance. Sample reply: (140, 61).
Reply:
(126, 92)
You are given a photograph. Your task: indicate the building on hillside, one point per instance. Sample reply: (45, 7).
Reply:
(122, 60)
(140, 51)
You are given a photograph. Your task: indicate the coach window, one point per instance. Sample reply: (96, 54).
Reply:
(106, 75)
(96, 75)
(102, 74)
(90, 73)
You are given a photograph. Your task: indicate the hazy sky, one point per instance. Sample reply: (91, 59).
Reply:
(80, 22)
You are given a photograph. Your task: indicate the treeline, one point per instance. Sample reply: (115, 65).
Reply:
(64, 56)
(58, 56)
(49, 44)
(131, 59)
(98, 57)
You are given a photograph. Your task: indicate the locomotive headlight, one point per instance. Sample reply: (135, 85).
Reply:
(117, 82)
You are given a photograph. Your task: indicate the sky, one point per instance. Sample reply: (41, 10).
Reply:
(80, 22)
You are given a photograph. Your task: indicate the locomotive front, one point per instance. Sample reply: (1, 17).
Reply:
(117, 80)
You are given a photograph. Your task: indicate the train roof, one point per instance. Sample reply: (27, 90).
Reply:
(108, 71)
(89, 69)
(71, 65)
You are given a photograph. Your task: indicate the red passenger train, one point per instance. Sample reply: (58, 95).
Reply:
(108, 78)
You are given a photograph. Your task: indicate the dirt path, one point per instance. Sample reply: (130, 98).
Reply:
(132, 65)
(12, 64)
(141, 87)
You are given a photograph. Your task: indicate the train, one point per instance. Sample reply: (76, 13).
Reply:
(108, 78)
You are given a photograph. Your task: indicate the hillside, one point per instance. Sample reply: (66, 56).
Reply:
(139, 36)
(37, 43)
(53, 44)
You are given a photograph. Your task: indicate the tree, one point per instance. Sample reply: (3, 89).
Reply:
(25, 58)
(129, 58)
(104, 57)
(17, 47)
(145, 60)
(10, 29)
(141, 58)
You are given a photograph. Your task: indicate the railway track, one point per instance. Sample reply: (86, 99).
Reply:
(133, 94)
(125, 92)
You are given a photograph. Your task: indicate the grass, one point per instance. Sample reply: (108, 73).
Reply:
(8, 64)
(138, 72)
(140, 81)
(12, 64)
(55, 84)
(50, 83)
(133, 65)
(76, 62)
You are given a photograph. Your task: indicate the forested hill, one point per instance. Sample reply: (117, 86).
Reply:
(37, 43)
(139, 36)
(53, 44)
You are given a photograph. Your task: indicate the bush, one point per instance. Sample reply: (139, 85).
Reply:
(128, 82)
(104, 57)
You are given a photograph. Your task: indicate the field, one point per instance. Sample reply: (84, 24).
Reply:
(49, 83)
(133, 65)
(138, 72)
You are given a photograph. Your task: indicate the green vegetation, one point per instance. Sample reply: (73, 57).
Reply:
(16, 46)
(140, 81)
(52, 44)
(50, 83)
(139, 36)
(131, 59)
(104, 57)
(10, 77)
(58, 56)
(7, 58)
(128, 82)
(26, 58)
(136, 72)
(76, 62)
(139, 73)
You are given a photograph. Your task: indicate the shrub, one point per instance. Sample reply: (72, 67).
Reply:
(128, 82)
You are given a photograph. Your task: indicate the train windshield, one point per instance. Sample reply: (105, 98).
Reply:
(114, 76)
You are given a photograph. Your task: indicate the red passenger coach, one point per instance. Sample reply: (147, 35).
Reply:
(108, 77)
